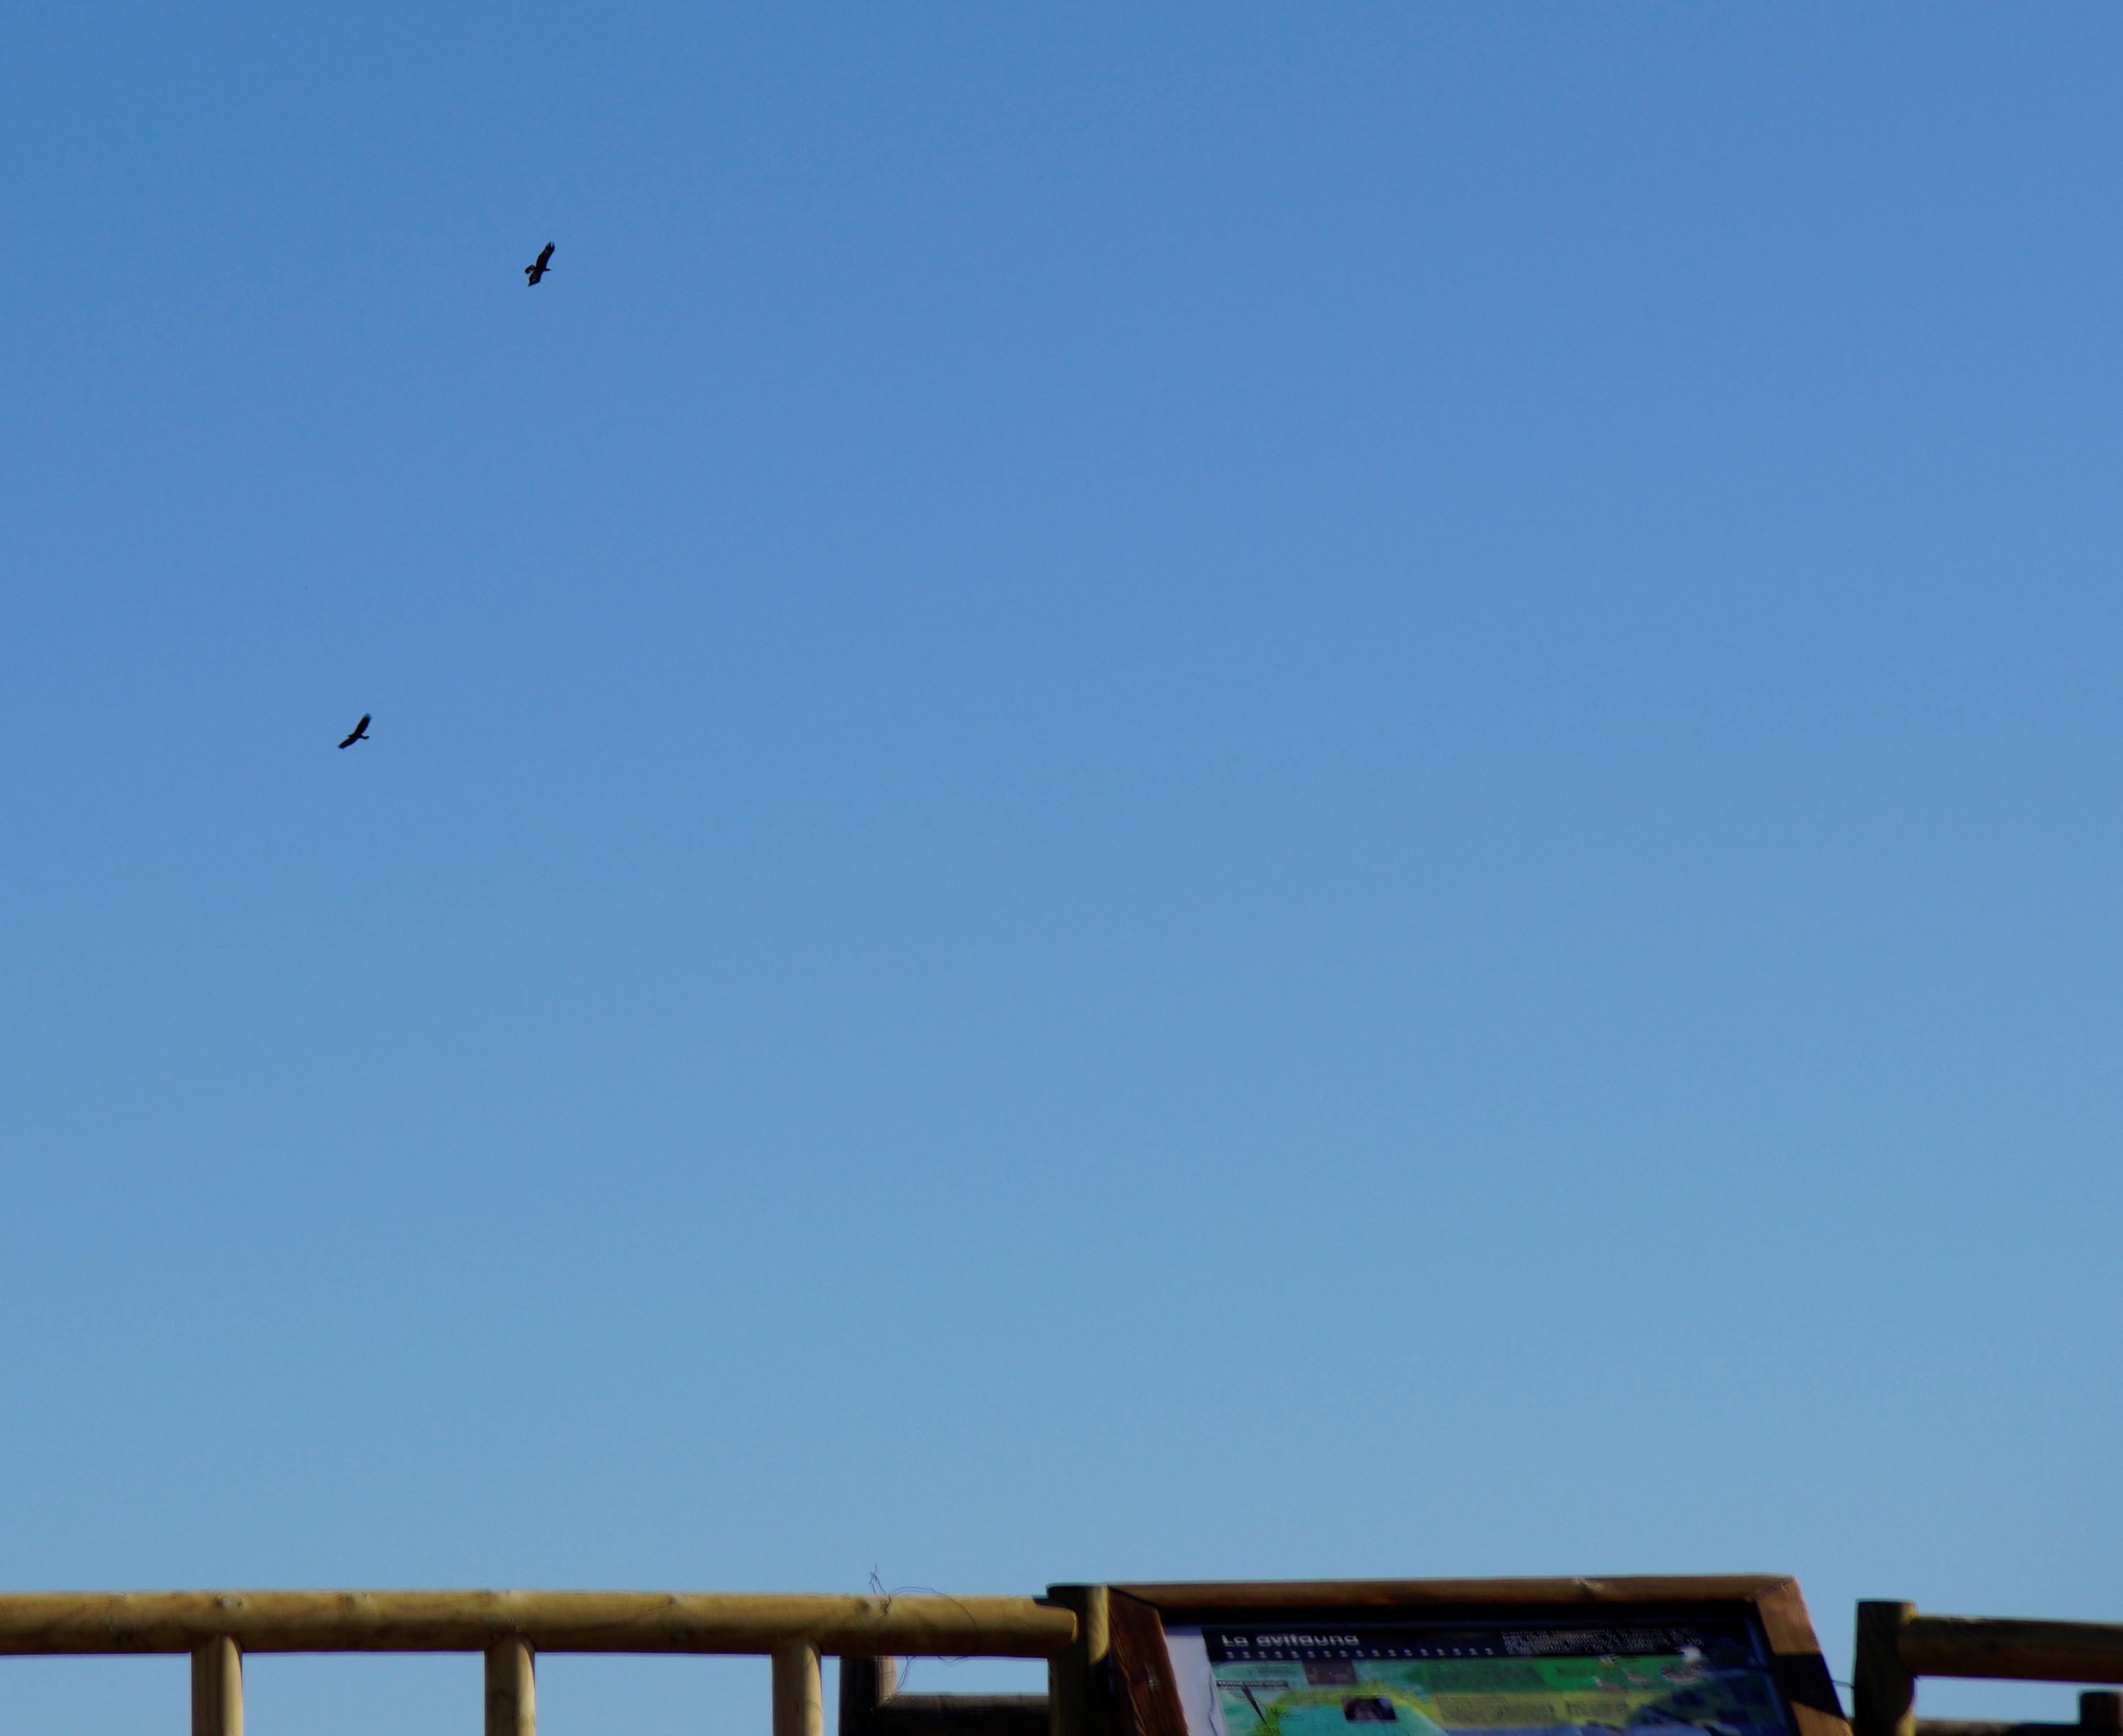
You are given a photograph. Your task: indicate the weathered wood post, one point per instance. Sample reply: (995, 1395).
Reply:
(511, 1688)
(799, 1697)
(1883, 1693)
(217, 1688)
(866, 1683)
(1076, 1680)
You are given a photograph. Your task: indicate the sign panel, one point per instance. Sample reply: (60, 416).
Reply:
(1643, 1674)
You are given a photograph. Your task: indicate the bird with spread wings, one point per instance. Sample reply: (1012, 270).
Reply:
(360, 731)
(537, 269)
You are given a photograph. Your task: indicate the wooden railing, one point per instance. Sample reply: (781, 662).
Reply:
(1067, 1628)
(1895, 1645)
(512, 1628)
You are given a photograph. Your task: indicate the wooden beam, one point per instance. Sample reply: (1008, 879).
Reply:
(112, 1622)
(1996, 1649)
(217, 1687)
(871, 1705)
(1077, 1702)
(866, 1683)
(511, 1688)
(799, 1696)
(2099, 1714)
(1883, 1690)
(961, 1714)
(1183, 1599)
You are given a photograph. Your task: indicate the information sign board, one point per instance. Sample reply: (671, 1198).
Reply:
(1724, 1657)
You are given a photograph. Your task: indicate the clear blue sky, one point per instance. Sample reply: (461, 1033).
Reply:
(1193, 791)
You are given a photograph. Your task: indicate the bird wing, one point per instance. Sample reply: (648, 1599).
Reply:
(546, 256)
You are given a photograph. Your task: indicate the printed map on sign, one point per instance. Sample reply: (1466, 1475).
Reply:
(1645, 1679)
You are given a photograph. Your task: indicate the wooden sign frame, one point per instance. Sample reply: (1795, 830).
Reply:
(1144, 1700)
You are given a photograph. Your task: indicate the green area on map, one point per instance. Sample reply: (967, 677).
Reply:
(1428, 1696)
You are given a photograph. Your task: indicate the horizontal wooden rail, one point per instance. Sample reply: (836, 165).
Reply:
(2011, 1651)
(110, 1623)
(1895, 1645)
(871, 1705)
(2099, 1714)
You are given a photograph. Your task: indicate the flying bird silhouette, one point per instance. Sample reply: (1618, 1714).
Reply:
(360, 731)
(537, 269)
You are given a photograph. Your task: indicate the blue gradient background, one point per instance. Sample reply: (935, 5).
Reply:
(1194, 793)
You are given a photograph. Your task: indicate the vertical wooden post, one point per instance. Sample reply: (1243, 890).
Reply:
(866, 1683)
(512, 1690)
(1077, 1698)
(2100, 1714)
(217, 1688)
(1883, 1693)
(800, 1698)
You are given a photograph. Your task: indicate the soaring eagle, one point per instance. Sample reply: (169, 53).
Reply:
(536, 269)
(360, 731)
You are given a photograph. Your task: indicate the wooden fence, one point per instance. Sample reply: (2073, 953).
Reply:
(512, 1628)
(1067, 1628)
(1895, 1645)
